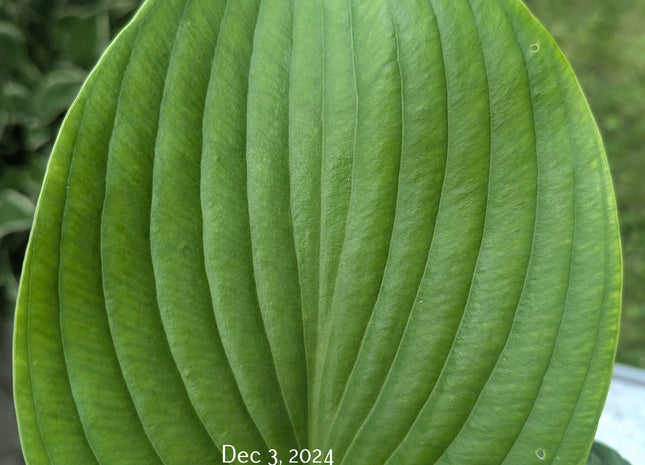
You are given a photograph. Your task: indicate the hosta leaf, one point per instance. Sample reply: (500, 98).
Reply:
(381, 228)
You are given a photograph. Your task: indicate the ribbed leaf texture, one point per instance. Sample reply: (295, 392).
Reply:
(384, 228)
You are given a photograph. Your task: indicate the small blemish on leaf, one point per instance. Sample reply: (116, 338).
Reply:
(535, 48)
(421, 301)
(541, 454)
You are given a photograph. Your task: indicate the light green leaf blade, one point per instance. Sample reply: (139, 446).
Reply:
(149, 370)
(188, 316)
(105, 408)
(385, 229)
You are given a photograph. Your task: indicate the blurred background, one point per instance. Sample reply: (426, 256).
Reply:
(47, 48)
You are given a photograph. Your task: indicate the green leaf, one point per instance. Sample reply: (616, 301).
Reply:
(602, 455)
(381, 228)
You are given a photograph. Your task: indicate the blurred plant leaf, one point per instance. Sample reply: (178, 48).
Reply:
(25, 179)
(8, 281)
(55, 93)
(13, 49)
(603, 455)
(16, 212)
(84, 33)
(15, 102)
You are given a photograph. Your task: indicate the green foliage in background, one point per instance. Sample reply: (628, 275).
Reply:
(601, 454)
(604, 41)
(46, 49)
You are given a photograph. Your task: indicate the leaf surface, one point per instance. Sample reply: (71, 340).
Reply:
(381, 228)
